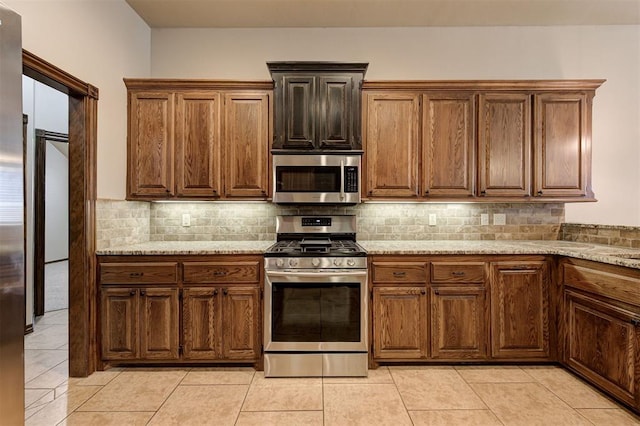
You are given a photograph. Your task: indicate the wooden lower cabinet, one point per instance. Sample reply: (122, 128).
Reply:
(458, 322)
(400, 322)
(221, 323)
(603, 345)
(202, 309)
(519, 310)
(140, 323)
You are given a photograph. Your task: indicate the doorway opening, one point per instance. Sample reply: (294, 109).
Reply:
(82, 136)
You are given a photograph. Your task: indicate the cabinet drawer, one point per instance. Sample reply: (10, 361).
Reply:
(453, 272)
(214, 272)
(399, 272)
(609, 284)
(139, 273)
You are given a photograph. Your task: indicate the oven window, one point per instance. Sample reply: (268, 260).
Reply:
(308, 179)
(304, 312)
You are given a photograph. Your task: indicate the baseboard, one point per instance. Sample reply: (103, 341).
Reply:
(28, 329)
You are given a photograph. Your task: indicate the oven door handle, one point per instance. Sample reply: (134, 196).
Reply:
(318, 274)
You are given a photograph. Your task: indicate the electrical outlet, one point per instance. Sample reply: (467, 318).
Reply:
(432, 219)
(186, 219)
(484, 219)
(499, 219)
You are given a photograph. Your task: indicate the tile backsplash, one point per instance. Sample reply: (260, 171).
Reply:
(622, 236)
(126, 222)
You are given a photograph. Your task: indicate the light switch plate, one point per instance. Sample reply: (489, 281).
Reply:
(432, 219)
(484, 219)
(186, 219)
(499, 219)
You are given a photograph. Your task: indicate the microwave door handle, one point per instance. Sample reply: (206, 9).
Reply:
(342, 194)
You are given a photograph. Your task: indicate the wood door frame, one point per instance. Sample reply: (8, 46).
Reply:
(39, 210)
(83, 114)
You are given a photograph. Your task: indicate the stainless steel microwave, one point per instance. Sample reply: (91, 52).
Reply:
(318, 178)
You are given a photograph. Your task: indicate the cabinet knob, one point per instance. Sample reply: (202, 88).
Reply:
(423, 291)
(142, 292)
(370, 193)
(215, 292)
(426, 192)
(483, 192)
(539, 193)
(132, 293)
(167, 190)
(224, 291)
(436, 291)
(635, 321)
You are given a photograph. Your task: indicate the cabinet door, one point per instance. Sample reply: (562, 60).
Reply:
(391, 156)
(458, 322)
(603, 345)
(119, 323)
(448, 158)
(400, 323)
(335, 115)
(562, 145)
(295, 124)
(198, 144)
(246, 141)
(241, 322)
(159, 323)
(201, 323)
(150, 166)
(504, 140)
(519, 310)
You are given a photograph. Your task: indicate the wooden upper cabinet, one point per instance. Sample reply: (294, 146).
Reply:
(448, 141)
(198, 144)
(317, 105)
(295, 126)
(562, 145)
(212, 136)
(392, 136)
(504, 145)
(246, 135)
(150, 144)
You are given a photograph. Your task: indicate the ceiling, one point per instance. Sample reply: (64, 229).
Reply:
(384, 13)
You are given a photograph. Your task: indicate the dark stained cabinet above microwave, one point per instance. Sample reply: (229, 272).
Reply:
(317, 105)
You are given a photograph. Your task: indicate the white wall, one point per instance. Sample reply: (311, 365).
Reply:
(609, 52)
(100, 42)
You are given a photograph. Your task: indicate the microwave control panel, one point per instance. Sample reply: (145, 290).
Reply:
(351, 179)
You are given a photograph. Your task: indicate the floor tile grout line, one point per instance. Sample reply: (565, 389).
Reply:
(404, 404)
(62, 362)
(469, 385)
(245, 398)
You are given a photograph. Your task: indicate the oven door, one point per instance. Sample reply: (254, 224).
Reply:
(316, 178)
(316, 311)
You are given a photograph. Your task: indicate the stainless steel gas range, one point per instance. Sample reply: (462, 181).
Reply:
(315, 304)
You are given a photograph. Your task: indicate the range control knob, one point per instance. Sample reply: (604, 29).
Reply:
(337, 261)
(315, 262)
(279, 263)
(293, 262)
(351, 262)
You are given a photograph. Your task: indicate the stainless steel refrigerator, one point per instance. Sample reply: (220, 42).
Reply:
(11, 221)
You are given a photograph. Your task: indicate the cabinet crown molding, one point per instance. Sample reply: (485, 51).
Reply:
(191, 84)
(494, 85)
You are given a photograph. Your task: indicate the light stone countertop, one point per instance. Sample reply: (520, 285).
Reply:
(189, 247)
(596, 252)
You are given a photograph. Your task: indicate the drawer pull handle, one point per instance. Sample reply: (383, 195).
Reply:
(136, 274)
(457, 274)
(399, 274)
(219, 273)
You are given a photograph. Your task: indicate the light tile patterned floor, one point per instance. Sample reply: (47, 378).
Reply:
(424, 395)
